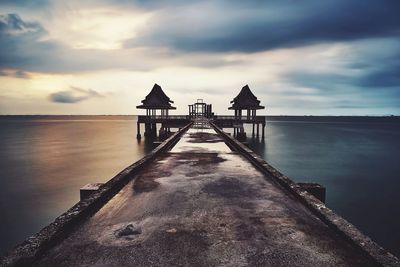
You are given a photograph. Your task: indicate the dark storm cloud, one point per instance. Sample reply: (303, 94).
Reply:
(20, 45)
(24, 3)
(380, 74)
(258, 26)
(366, 76)
(333, 83)
(319, 80)
(73, 95)
(13, 24)
(383, 75)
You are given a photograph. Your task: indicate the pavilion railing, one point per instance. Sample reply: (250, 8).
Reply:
(242, 119)
(144, 118)
(259, 119)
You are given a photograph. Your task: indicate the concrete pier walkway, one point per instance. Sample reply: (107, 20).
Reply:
(201, 204)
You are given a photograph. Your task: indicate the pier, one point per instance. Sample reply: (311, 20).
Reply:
(201, 198)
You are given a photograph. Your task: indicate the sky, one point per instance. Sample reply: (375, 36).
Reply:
(299, 57)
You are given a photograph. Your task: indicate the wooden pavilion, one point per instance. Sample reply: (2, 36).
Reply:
(246, 100)
(154, 101)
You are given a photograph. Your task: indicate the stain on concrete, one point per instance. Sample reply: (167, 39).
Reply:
(201, 159)
(129, 232)
(229, 187)
(206, 140)
(198, 173)
(204, 137)
(147, 183)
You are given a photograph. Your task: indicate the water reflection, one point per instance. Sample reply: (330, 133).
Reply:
(356, 161)
(44, 162)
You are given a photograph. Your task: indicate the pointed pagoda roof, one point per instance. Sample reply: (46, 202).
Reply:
(156, 99)
(246, 100)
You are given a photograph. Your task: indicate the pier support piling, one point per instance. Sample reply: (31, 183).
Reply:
(258, 130)
(138, 135)
(154, 130)
(263, 130)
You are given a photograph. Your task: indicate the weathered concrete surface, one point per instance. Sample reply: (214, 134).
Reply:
(203, 205)
(30, 249)
(339, 225)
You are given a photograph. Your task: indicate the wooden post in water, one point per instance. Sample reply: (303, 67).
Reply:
(154, 130)
(263, 130)
(258, 129)
(138, 136)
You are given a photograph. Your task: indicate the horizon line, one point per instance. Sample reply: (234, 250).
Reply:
(271, 115)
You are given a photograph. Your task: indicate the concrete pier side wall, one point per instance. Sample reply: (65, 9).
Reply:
(26, 252)
(342, 227)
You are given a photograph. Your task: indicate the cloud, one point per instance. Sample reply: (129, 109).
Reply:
(24, 3)
(20, 43)
(27, 46)
(15, 73)
(369, 65)
(382, 76)
(73, 95)
(193, 46)
(259, 26)
(13, 24)
(381, 80)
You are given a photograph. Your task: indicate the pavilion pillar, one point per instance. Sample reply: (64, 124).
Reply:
(258, 129)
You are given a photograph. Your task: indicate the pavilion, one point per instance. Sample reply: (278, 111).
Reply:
(154, 101)
(246, 100)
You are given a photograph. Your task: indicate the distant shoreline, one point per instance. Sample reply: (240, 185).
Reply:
(271, 118)
(133, 115)
(308, 118)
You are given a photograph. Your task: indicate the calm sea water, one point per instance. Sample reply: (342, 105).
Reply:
(45, 160)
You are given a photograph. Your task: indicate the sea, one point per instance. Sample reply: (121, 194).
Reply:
(45, 160)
